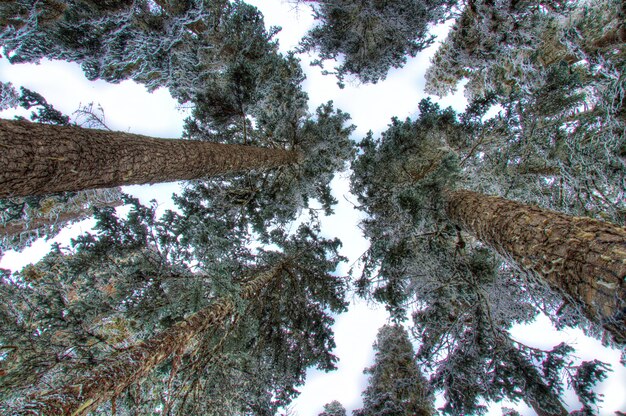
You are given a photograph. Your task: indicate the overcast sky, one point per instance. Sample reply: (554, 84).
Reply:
(128, 107)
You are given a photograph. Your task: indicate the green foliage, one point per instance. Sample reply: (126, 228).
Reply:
(181, 48)
(273, 114)
(46, 113)
(396, 385)
(333, 408)
(399, 181)
(464, 299)
(134, 278)
(559, 140)
(588, 374)
(371, 37)
(9, 97)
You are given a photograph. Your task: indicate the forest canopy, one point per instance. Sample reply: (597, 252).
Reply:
(478, 220)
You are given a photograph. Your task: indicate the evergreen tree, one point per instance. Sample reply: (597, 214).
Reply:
(509, 47)
(131, 282)
(424, 254)
(396, 385)
(560, 138)
(372, 36)
(272, 113)
(409, 177)
(333, 408)
(177, 45)
(110, 379)
(23, 220)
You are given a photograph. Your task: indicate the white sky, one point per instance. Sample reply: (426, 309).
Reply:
(128, 107)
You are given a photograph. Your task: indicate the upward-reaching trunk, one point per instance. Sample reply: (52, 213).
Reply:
(37, 159)
(61, 220)
(582, 258)
(134, 364)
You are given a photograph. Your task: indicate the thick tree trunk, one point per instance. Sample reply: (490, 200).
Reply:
(582, 258)
(38, 159)
(134, 364)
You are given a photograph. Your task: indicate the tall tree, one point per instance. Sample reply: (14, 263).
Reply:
(560, 138)
(271, 110)
(176, 45)
(464, 299)
(410, 176)
(23, 220)
(333, 408)
(131, 282)
(396, 385)
(135, 363)
(371, 37)
(42, 159)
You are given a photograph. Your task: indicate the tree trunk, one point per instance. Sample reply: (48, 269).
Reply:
(111, 378)
(61, 220)
(582, 258)
(38, 159)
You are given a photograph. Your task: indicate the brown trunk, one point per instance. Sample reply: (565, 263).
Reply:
(38, 159)
(134, 364)
(62, 219)
(582, 258)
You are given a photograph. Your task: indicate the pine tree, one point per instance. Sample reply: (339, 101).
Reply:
(132, 282)
(180, 45)
(23, 220)
(333, 408)
(270, 95)
(407, 181)
(43, 159)
(134, 364)
(396, 385)
(560, 140)
(371, 36)
(466, 299)
(508, 47)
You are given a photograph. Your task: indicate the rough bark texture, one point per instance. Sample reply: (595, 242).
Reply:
(582, 258)
(38, 159)
(110, 379)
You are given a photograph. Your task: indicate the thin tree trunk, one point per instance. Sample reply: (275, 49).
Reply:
(38, 159)
(111, 378)
(582, 258)
(60, 220)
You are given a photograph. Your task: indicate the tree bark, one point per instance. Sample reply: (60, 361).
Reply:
(582, 258)
(60, 220)
(111, 378)
(38, 159)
